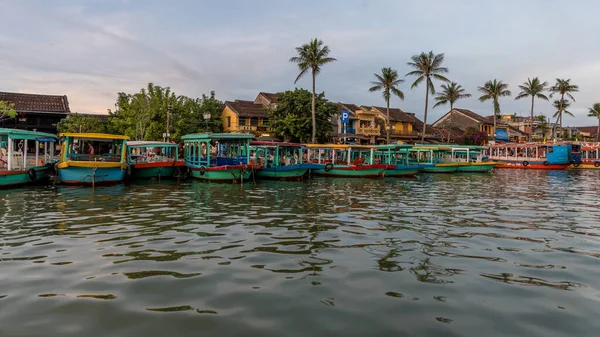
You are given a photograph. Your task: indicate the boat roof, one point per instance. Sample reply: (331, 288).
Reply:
(431, 148)
(218, 136)
(262, 143)
(147, 143)
(338, 146)
(94, 136)
(469, 147)
(513, 145)
(26, 134)
(393, 146)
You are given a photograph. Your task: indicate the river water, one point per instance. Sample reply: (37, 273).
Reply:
(513, 253)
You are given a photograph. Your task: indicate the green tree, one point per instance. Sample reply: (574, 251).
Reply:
(450, 94)
(7, 110)
(311, 57)
(494, 90)
(82, 124)
(534, 88)
(561, 106)
(563, 88)
(388, 82)
(292, 119)
(144, 115)
(427, 66)
(594, 112)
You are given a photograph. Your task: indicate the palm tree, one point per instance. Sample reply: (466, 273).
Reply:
(595, 112)
(311, 57)
(427, 66)
(388, 82)
(450, 94)
(563, 87)
(534, 88)
(494, 90)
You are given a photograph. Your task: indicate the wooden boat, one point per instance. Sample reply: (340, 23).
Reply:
(92, 159)
(26, 156)
(219, 156)
(149, 160)
(282, 161)
(433, 159)
(351, 161)
(397, 156)
(532, 156)
(586, 156)
(472, 158)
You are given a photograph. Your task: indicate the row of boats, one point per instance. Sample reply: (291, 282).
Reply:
(94, 159)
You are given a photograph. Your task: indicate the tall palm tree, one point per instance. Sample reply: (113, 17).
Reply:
(388, 82)
(595, 112)
(450, 94)
(311, 57)
(563, 87)
(494, 90)
(561, 106)
(425, 67)
(534, 88)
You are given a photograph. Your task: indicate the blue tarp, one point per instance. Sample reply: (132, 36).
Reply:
(502, 134)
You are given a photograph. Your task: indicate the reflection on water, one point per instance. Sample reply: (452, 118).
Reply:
(509, 253)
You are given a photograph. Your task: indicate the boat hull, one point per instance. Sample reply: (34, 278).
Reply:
(586, 166)
(74, 175)
(18, 178)
(351, 171)
(222, 173)
(155, 170)
(477, 167)
(532, 165)
(441, 168)
(403, 171)
(290, 172)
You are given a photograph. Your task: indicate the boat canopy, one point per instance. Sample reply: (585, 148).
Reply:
(99, 136)
(28, 135)
(339, 146)
(470, 147)
(393, 147)
(283, 144)
(217, 136)
(431, 148)
(144, 143)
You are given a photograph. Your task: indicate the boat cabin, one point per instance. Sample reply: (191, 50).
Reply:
(93, 147)
(216, 149)
(21, 150)
(547, 153)
(340, 154)
(149, 151)
(274, 154)
(392, 154)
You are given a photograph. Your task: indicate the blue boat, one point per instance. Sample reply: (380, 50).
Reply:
(396, 155)
(26, 156)
(278, 160)
(92, 159)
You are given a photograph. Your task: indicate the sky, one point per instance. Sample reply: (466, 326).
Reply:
(91, 50)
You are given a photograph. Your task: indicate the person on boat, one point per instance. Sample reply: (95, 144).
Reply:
(90, 148)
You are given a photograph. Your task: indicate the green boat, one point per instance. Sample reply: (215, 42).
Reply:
(349, 161)
(279, 161)
(153, 160)
(219, 157)
(433, 159)
(396, 155)
(471, 157)
(26, 156)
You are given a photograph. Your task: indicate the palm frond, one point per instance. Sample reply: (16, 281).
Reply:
(417, 82)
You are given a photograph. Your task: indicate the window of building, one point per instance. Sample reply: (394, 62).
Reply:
(228, 122)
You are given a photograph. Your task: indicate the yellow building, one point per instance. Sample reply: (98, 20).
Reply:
(249, 116)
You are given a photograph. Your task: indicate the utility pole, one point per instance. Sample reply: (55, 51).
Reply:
(167, 135)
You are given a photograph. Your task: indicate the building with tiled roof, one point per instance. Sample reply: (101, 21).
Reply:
(35, 112)
(248, 116)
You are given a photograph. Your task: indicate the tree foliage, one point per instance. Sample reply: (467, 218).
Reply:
(7, 110)
(594, 112)
(563, 88)
(532, 88)
(82, 124)
(143, 115)
(311, 57)
(291, 120)
(388, 83)
(427, 66)
(473, 136)
(493, 90)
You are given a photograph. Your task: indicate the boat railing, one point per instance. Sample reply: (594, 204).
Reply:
(516, 158)
(106, 157)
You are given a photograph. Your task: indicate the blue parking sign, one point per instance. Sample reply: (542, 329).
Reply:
(345, 117)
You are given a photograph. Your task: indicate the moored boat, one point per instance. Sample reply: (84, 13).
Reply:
(281, 161)
(472, 158)
(350, 161)
(531, 156)
(26, 156)
(149, 159)
(397, 156)
(92, 159)
(433, 159)
(586, 156)
(219, 156)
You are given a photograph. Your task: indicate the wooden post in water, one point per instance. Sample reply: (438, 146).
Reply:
(25, 154)
(10, 153)
(37, 152)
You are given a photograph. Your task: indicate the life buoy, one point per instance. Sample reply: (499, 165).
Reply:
(526, 163)
(328, 167)
(202, 170)
(597, 164)
(576, 164)
(546, 163)
(32, 174)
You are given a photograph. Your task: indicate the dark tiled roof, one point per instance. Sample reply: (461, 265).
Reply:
(36, 103)
(592, 130)
(396, 115)
(417, 124)
(473, 115)
(247, 108)
(348, 106)
(270, 96)
(511, 128)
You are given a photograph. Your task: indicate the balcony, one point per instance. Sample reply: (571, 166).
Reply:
(404, 133)
(351, 131)
(368, 131)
